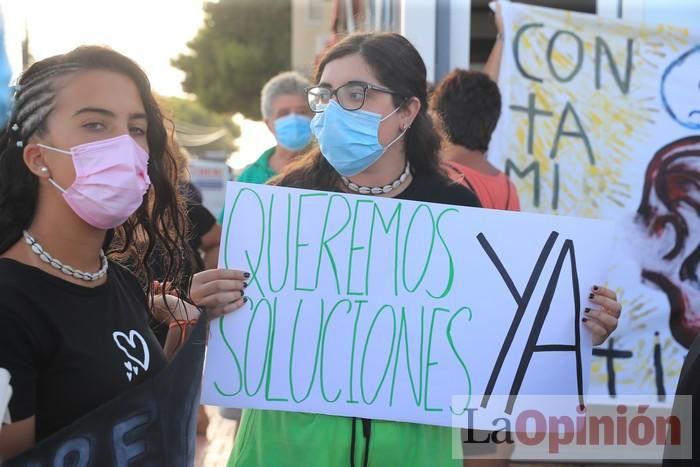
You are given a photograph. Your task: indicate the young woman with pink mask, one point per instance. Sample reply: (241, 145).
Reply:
(84, 168)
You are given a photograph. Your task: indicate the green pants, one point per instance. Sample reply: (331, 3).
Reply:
(279, 439)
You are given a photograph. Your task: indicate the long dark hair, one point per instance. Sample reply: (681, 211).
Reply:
(399, 67)
(160, 219)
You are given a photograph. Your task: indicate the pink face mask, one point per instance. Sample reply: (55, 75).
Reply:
(111, 177)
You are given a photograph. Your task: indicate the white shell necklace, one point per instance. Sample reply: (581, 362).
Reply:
(67, 270)
(379, 190)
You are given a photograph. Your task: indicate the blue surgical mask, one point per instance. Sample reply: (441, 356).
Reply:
(349, 140)
(293, 132)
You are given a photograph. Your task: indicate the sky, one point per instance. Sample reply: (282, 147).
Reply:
(151, 32)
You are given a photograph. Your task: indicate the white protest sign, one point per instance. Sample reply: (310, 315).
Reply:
(385, 309)
(601, 119)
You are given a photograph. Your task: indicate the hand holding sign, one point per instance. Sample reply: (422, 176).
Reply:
(602, 321)
(220, 291)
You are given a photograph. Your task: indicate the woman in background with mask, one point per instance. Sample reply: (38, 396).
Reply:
(375, 138)
(284, 110)
(287, 116)
(84, 166)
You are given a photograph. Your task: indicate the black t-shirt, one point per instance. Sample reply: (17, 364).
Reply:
(70, 348)
(439, 190)
(433, 189)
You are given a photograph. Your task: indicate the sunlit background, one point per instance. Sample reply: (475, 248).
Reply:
(152, 32)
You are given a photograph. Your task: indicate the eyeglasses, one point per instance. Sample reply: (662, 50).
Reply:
(350, 96)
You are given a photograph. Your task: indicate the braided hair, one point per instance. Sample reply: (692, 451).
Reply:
(160, 219)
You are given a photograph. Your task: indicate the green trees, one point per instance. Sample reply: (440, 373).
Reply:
(242, 44)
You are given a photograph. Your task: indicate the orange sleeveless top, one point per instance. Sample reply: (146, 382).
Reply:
(494, 191)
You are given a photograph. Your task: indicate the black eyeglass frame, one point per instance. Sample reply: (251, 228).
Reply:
(334, 92)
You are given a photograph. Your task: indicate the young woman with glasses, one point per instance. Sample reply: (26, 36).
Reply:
(376, 138)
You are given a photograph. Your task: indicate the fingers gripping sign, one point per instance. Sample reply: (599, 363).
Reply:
(602, 317)
(219, 291)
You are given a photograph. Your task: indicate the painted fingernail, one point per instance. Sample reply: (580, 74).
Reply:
(246, 275)
(584, 319)
(245, 284)
(591, 296)
(595, 287)
(245, 299)
(242, 293)
(587, 310)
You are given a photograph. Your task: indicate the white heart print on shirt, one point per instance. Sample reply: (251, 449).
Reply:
(133, 341)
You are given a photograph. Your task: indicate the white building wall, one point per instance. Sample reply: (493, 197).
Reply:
(419, 25)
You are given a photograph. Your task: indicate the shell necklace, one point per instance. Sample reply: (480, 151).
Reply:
(65, 269)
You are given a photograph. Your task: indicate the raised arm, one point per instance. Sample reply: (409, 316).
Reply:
(493, 63)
